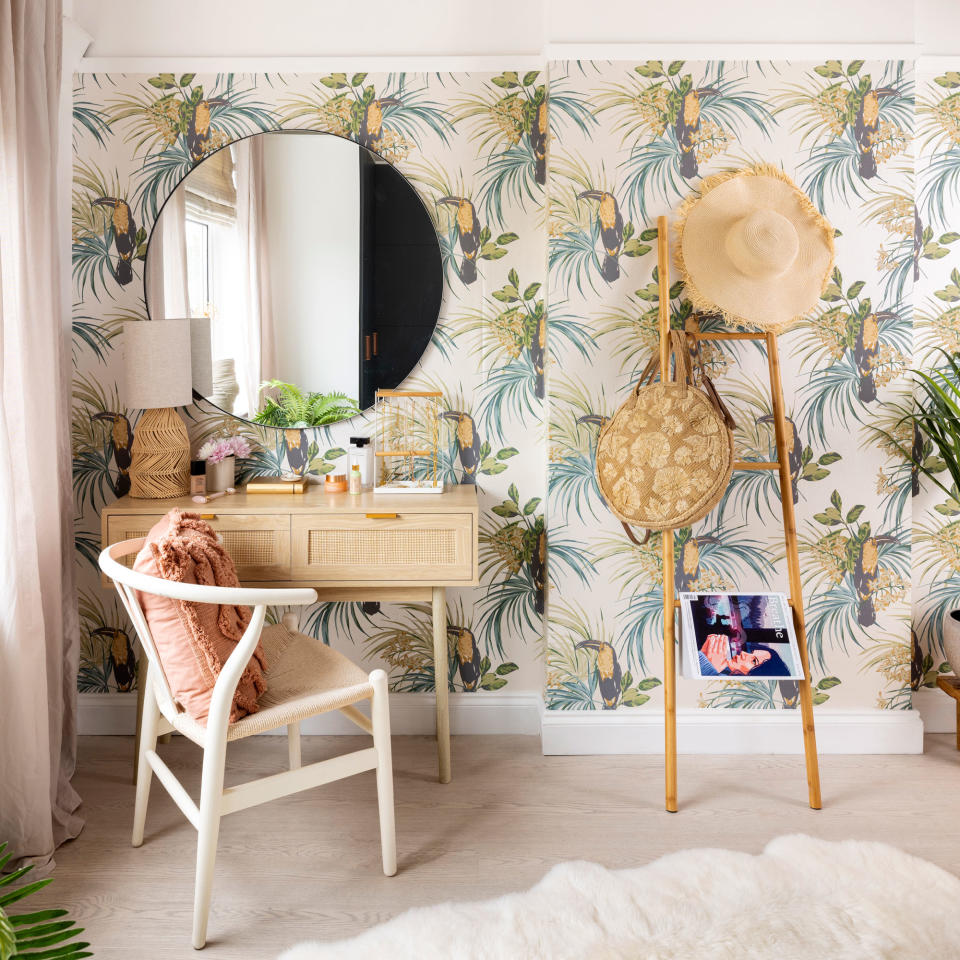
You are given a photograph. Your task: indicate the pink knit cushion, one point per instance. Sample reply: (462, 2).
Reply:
(194, 640)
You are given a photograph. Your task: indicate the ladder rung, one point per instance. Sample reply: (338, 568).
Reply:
(728, 335)
(756, 464)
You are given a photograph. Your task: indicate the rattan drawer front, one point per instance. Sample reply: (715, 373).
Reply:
(428, 548)
(259, 545)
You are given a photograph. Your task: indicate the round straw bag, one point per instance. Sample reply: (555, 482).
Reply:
(665, 457)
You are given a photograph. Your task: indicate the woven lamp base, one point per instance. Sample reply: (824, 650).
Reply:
(160, 456)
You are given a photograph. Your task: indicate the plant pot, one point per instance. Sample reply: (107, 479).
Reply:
(951, 639)
(221, 475)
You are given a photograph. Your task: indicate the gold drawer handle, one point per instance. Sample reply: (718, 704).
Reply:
(381, 516)
(208, 516)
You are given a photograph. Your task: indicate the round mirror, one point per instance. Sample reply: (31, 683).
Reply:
(318, 266)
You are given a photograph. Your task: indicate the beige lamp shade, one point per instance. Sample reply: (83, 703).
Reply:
(201, 355)
(157, 367)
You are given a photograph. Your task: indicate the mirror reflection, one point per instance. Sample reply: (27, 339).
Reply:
(317, 264)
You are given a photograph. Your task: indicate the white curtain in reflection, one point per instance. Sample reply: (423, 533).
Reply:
(255, 312)
(168, 291)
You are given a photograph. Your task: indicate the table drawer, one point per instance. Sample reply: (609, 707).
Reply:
(259, 545)
(398, 547)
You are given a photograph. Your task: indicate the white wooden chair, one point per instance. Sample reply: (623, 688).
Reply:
(304, 678)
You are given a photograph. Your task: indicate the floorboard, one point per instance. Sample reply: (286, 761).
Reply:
(308, 866)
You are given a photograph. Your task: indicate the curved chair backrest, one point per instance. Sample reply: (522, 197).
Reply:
(128, 582)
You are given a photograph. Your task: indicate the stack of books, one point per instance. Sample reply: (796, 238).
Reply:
(276, 485)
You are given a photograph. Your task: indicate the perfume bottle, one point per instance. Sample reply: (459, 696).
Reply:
(355, 481)
(361, 454)
(198, 477)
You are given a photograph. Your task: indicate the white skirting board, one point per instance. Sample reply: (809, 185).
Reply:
(939, 712)
(624, 731)
(410, 713)
(731, 731)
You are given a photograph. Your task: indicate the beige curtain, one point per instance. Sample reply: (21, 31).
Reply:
(39, 634)
(167, 290)
(261, 348)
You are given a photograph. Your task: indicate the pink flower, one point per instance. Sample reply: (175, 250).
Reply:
(214, 451)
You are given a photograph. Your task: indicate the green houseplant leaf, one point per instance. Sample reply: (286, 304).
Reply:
(289, 406)
(42, 935)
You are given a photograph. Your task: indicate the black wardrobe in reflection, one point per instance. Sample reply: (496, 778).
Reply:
(400, 277)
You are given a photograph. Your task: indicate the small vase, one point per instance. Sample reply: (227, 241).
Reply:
(951, 640)
(220, 475)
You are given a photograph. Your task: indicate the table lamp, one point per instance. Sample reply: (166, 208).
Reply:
(201, 356)
(158, 378)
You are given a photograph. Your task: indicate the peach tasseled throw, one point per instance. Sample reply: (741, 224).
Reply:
(194, 640)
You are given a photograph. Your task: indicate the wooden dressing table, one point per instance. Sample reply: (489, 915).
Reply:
(391, 548)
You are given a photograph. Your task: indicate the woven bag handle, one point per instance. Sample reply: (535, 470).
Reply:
(682, 364)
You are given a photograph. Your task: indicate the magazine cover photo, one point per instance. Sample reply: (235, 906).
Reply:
(739, 635)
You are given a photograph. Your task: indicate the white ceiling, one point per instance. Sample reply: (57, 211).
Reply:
(318, 28)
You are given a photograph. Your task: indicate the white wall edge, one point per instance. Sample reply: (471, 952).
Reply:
(290, 65)
(729, 731)
(731, 51)
(592, 733)
(939, 712)
(497, 62)
(108, 714)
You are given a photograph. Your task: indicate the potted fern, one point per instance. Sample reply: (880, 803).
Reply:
(936, 416)
(286, 405)
(42, 933)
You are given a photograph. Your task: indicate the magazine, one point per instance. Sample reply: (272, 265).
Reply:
(739, 635)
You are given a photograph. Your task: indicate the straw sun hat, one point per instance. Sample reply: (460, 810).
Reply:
(753, 248)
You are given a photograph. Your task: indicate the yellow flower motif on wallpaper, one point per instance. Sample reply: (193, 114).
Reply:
(891, 658)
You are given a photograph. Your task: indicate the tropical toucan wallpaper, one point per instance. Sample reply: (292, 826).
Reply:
(544, 186)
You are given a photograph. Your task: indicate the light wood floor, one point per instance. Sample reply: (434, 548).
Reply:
(308, 866)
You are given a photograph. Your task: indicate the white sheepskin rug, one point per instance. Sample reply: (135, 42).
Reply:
(801, 899)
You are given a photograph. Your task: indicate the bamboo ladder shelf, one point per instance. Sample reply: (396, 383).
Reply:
(781, 464)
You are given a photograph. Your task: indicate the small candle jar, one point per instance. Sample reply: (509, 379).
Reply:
(335, 483)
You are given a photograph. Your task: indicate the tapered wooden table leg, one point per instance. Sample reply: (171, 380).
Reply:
(440, 670)
(793, 570)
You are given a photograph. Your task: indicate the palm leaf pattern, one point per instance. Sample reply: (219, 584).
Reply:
(625, 144)
(674, 120)
(850, 123)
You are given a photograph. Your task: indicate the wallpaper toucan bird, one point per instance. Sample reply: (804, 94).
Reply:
(468, 656)
(865, 570)
(794, 456)
(688, 126)
(865, 129)
(468, 443)
(608, 671)
(538, 355)
(610, 222)
(199, 128)
(538, 140)
(687, 569)
(125, 238)
(296, 449)
(371, 127)
(122, 659)
(468, 235)
(121, 441)
(865, 352)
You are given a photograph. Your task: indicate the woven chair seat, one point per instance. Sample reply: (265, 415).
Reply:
(304, 677)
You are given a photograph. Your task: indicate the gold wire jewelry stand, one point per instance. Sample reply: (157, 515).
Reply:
(407, 431)
(781, 464)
